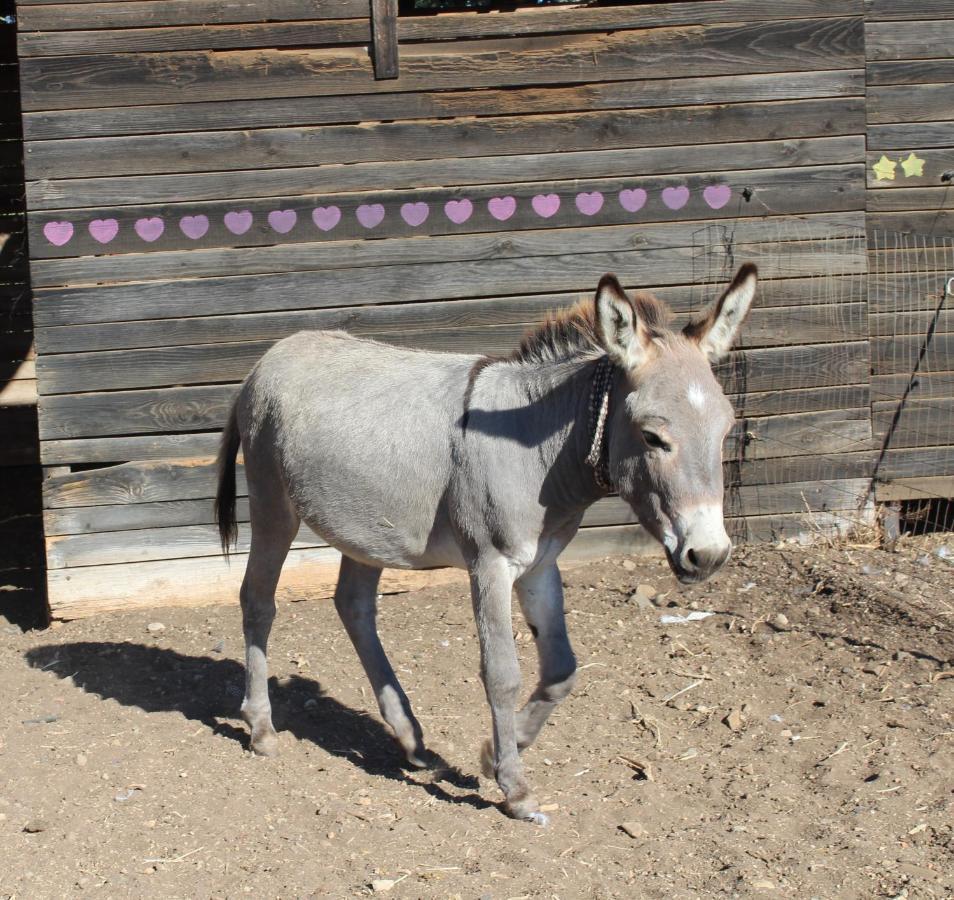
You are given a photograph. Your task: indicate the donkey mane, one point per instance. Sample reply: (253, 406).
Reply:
(571, 333)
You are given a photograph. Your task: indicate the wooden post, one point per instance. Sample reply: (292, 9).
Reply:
(384, 15)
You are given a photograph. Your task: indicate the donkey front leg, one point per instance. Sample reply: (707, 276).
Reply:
(541, 598)
(356, 602)
(491, 586)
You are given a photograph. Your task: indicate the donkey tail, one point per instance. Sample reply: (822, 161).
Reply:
(225, 496)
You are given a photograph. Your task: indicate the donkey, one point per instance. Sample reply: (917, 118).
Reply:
(414, 459)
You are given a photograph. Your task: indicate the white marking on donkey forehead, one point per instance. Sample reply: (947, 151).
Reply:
(696, 396)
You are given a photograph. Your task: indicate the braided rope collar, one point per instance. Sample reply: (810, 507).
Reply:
(599, 412)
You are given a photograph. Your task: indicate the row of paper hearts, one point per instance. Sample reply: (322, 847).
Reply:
(370, 215)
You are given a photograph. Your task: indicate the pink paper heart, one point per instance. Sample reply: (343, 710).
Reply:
(103, 230)
(675, 197)
(415, 213)
(150, 229)
(458, 211)
(282, 220)
(717, 195)
(238, 221)
(326, 217)
(58, 233)
(370, 215)
(589, 203)
(545, 205)
(194, 226)
(502, 208)
(632, 199)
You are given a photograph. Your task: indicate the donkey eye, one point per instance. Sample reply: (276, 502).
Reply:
(654, 440)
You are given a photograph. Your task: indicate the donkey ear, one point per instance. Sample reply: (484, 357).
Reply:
(618, 327)
(715, 329)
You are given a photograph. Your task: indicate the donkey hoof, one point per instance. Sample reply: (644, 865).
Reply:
(487, 759)
(417, 759)
(527, 811)
(265, 744)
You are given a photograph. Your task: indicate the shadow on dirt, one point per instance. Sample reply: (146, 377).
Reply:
(207, 690)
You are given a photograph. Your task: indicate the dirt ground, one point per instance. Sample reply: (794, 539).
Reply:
(799, 742)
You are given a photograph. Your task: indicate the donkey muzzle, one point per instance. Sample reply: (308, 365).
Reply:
(704, 547)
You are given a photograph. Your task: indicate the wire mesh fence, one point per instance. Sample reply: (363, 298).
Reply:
(844, 383)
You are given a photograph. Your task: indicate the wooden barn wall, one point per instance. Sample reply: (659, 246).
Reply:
(21, 534)
(202, 183)
(910, 111)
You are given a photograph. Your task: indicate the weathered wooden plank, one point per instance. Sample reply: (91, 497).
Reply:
(916, 463)
(53, 16)
(113, 450)
(929, 223)
(459, 172)
(143, 482)
(229, 362)
(904, 40)
(316, 256)
(916, 72)
(447, 281)
(910, 277)
(916, 488)
(911, 198)
(915, 134)
(109, 548)
(121, 80)
(888, 10)
(902, 103)
(216, 151)
(923, 385)
(384, 38)
(918, 322)
(899, 354)
(478, 209)
(915, 423)
(82, 41)
(142, 412)
(304, 111)
(447, 26)
(377, 321)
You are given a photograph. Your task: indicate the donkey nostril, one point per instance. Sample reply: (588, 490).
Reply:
(693, 558)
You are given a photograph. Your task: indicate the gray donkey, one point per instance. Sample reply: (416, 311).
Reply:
(415, 459)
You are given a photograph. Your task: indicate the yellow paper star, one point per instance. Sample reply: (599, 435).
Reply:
(913, 166)
(884, 169)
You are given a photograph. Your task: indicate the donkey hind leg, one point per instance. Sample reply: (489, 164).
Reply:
(491, 587)
(356, 602)
(541, 597)
(274, 526)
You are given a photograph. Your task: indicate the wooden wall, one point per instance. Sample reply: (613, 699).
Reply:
(202, 183)
(22, 578)
(910, 112)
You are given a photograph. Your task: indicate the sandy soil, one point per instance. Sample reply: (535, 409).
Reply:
(797, 743)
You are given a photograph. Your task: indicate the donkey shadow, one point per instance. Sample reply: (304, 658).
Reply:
(205, 690)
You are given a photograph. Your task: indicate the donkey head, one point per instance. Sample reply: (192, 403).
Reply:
(668, 423)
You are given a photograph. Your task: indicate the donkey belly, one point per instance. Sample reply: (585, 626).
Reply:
(364, 435)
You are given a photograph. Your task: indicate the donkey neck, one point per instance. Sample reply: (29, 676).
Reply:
(559, 394)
